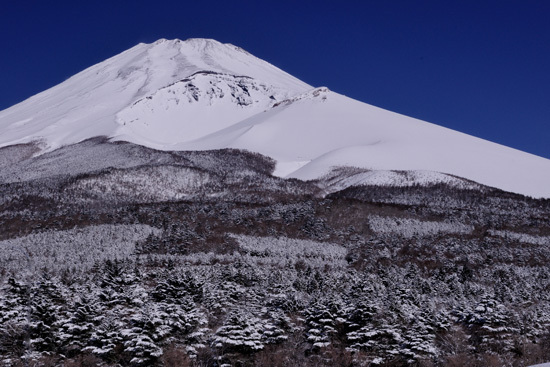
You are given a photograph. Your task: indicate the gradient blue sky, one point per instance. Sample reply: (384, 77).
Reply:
(480, 67)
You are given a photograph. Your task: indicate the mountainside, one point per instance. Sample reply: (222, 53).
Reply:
(163, 73)
(187, 204)
(115, 254)
(200, 95)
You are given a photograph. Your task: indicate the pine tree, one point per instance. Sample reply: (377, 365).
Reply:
(14, 319)
(77, 327)
(47, 306)
(240, 333)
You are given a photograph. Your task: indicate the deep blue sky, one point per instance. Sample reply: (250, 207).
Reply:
(480, 67)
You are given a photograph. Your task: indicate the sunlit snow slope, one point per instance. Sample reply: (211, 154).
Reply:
(325, 129)
(152, 94)
(201, 94)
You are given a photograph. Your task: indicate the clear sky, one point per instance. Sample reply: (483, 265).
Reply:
(480, 67)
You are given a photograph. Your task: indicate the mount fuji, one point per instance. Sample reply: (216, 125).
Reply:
(186, 201)
(200, 94)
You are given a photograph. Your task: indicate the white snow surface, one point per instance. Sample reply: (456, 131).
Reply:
(325, 130)
(409, 228)
(71, 248)
(109, 98)
(343, 177)
(202, 94)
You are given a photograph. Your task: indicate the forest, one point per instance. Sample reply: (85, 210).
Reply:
(112, 254)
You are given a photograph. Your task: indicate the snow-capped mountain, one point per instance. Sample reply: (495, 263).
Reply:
(168, 248)
(153, 94)
(200, 94)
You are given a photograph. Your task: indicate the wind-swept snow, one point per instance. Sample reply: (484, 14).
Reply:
(202, 94)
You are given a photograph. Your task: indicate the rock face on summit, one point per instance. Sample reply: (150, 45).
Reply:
(200, 94)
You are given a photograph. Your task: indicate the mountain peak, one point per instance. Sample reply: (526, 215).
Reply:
(201, 45)
(176, 59)
(91, 102)
(196, 42)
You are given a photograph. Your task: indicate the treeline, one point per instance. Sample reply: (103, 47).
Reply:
(240, 310)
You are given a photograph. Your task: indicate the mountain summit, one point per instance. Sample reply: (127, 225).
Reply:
(200, 94)
(159, 82)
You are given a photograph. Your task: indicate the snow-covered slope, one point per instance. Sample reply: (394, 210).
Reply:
(201, 94)
(321, 129)
(130, 95)
(194, 107)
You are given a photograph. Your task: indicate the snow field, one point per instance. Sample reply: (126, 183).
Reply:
(409, 228)
(272, 252)
(70, 249)
(522, 237)
(158, 183)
